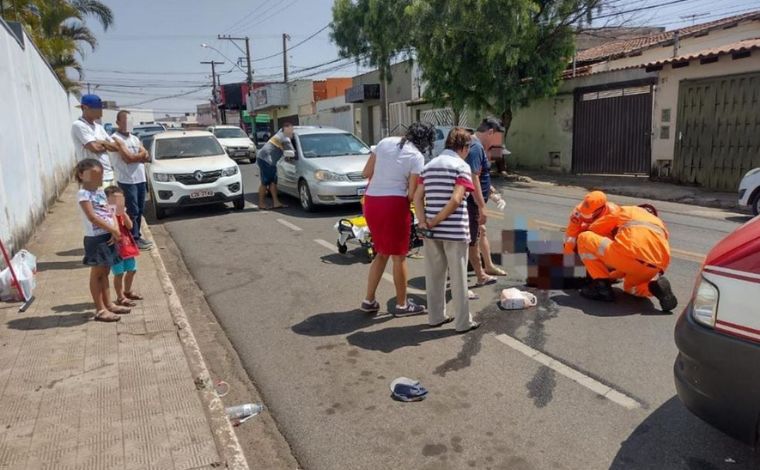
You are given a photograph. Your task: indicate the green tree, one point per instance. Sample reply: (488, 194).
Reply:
(495, 55)
(372, 32)
(59, 31)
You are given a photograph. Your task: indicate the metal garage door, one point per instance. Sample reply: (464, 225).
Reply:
(612, 130)
(718, 130)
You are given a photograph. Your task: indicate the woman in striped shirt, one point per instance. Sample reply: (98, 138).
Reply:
(442, 211)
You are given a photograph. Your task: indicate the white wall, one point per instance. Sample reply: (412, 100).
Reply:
(331, 113)
(36, 150)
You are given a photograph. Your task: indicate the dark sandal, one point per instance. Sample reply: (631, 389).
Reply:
(437, 325)
(106, 317)
(133, 296)
(125, 302)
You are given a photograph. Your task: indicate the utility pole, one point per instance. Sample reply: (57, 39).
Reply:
(247, 52)
(285, 39)
(215, 105)
(88, 86)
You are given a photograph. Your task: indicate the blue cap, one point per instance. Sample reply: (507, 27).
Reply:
(91, 101)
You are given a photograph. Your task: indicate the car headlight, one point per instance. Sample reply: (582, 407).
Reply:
(705, 303)
(324, 175)
(231, 171)
(163, 177)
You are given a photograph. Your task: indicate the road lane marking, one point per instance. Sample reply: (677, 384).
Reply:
(682, 254)
(580, 378)
(388, 277)
(295, 228)
(330, 246)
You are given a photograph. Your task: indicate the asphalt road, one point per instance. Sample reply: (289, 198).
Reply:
(571, 384)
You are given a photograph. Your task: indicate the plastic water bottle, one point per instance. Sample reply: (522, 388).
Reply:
(242, 412)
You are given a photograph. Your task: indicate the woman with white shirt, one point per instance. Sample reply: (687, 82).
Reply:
(393, 168)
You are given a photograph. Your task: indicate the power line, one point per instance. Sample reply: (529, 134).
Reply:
(272, 15)
(205, 88)
(295, 45)
(634, 10)
(245, 17)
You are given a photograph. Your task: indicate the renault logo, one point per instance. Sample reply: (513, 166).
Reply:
(198, 175)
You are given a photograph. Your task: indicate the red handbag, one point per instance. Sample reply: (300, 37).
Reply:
(127, 246)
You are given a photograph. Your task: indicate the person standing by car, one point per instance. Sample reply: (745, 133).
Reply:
(267, 160)
(393, 168)
(487, 135)
(129, 164)
(442, 211)
(91, 139)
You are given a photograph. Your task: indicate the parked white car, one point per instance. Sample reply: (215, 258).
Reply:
(749, 191)
(237, 144)
(190, 168)
(147, 129)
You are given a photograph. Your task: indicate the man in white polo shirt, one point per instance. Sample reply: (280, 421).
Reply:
(129, 165)
(90, 138)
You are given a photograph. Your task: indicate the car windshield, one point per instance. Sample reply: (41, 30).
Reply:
(187, 147)
(235, 133)
(331, 145)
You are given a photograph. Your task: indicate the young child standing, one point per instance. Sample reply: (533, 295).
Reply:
(100, 237)
(124, 271)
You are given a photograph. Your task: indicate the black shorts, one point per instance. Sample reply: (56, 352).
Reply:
(97, 251)
(473, 213)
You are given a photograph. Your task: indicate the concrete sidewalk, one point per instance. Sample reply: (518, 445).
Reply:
(632, 186)
(75, 393)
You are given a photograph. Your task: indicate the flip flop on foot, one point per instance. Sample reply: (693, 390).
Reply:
(473, 326)
(125, 302)
(119, 310)
(106, 317)
(280, 206)
(132, 296)
(472, 295)
(486, 281)
(496, 272)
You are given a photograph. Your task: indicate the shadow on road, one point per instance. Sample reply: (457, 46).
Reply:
(388, 340)
(624, 305)
(59, 265)
(673, 438)
(337, 323)
(739, 218)
(49, 321)
(75, 252)
(351, 258)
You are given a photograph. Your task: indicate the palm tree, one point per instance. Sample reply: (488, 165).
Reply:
(58, 29)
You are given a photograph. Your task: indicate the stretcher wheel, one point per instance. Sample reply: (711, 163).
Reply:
(342, 249)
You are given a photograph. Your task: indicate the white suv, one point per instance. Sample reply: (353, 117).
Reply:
(235, 142)
(749, 191)
(190, 168)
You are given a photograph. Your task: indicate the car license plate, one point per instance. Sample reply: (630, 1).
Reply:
(242, 153)
(360, 191)
(201, 194)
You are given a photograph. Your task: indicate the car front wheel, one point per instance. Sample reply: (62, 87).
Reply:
(756, 205)
(305, 196)
(158, 211)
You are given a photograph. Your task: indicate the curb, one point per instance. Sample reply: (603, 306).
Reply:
(226, 440)
(695, 199)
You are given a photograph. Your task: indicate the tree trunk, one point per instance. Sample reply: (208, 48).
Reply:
(506, 120)
(457, 116)
(384, 108)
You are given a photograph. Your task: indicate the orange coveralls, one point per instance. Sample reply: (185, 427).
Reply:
(578, 224)
(631, 241)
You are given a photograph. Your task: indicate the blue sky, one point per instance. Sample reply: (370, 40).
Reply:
(153, 49)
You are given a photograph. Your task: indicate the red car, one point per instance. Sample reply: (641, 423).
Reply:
(717, 372)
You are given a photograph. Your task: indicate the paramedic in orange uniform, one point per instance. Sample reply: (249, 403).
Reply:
(631, 242)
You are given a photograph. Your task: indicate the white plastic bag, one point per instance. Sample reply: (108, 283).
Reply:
(25, 266)
(515, 299)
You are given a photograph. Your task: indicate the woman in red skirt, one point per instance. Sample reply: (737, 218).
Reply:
(393, 169)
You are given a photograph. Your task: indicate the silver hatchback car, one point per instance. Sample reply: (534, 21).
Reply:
(326, 168)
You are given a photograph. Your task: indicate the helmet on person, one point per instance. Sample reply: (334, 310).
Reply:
(593, 205)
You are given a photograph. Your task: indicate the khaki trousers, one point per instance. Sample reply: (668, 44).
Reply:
(441, 257)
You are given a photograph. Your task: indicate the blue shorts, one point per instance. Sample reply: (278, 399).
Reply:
(128, 265)
(267, 172)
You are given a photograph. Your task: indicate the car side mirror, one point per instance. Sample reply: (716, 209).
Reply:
(289, 154)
